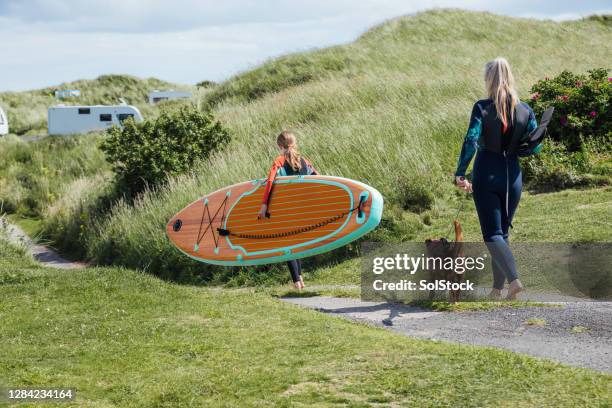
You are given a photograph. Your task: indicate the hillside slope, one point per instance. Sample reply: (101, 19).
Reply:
(27, 111)
(389, 109)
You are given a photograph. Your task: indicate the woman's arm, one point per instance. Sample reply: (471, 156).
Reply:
(470, 142)
(531, 126)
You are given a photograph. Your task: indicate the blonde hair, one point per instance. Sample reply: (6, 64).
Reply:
(500, 88)
(288, 141)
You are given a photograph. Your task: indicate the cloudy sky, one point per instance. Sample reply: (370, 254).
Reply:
(45, 42)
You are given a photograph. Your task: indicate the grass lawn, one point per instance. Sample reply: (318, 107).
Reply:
(124, 338)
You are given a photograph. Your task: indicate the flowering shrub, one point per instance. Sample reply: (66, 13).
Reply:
(579, 149)
(582, 107)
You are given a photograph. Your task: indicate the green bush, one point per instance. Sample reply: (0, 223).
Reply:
(146, 154)
(557, 167)
(415, 195)
(582, 104)
(577, 153)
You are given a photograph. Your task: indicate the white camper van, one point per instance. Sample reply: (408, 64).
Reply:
(3, 123)
(66, 120)
(67, 93)
(158, 96)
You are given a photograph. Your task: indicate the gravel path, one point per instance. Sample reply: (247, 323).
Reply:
(41, 253)
(504, 328)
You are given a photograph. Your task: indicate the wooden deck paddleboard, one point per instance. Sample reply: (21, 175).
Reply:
(308, 215)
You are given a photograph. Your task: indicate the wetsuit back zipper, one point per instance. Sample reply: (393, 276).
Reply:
(507, 189)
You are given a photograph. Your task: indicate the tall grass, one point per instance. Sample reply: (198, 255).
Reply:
(389, 109)
(34, 175)
(393, 116)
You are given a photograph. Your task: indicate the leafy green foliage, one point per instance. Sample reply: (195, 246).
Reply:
(415, 194)
(557, 167)
(583, 107)
(146, 154)
(206, 84)
(577, 154)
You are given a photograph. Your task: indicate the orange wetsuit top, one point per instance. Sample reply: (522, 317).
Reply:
(281, 167)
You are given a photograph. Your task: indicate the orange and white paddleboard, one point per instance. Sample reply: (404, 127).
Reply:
(308, 215)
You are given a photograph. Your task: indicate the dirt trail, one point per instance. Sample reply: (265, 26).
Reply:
(41, 253)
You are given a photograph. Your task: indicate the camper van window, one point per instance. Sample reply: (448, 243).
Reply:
(84, 111)
(124, 116)
(106, 117)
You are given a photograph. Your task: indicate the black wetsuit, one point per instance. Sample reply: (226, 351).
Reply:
(497, 179)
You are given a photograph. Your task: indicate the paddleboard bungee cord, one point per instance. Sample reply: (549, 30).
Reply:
(224, 232)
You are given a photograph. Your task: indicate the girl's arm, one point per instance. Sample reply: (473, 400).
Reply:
(278, 163)
(470, 142)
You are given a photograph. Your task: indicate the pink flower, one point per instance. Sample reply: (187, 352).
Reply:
(578, 84)
(609, 79)
(563, 120)
(535, 96)
(593, 114)
(565, 98)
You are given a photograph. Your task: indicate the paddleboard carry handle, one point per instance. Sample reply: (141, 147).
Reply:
(362, 200)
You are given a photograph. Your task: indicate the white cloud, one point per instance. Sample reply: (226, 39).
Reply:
(45, 42)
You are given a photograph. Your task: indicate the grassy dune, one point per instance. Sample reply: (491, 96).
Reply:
(124, 338)
(389, 109)
(392, 112)
(27, 111)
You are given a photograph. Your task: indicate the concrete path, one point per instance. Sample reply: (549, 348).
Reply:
(41, 253)
(505, 328)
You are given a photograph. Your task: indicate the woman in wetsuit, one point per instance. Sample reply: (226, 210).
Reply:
(497, 125)
(289, 163)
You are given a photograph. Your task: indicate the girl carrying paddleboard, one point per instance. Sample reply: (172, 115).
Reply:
(288, 163)
(497, 125)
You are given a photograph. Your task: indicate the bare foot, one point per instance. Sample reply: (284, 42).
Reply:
(514, 289)
(302, 282)
(495, 294)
